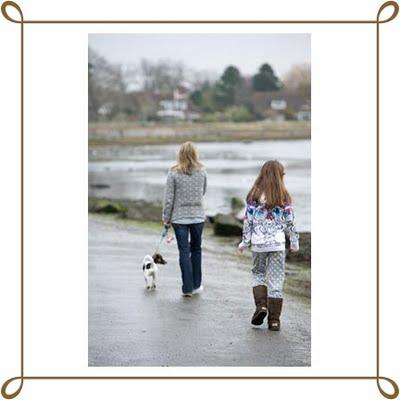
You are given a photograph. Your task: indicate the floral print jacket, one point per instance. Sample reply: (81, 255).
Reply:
(264, 228)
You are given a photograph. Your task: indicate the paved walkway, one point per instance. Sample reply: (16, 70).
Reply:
(129, 326)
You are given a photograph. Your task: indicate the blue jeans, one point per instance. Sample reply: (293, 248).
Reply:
(189, 254)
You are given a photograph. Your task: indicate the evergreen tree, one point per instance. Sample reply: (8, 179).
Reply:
(227, 89)
(266, 80)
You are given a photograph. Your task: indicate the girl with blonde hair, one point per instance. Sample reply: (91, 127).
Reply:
(183, 209)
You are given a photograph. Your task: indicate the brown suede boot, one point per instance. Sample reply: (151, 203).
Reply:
(274, 312)
(260, 294)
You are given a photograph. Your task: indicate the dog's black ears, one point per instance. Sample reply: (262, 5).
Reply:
(158, 259)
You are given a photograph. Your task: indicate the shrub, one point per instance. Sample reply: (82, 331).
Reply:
(238, 114)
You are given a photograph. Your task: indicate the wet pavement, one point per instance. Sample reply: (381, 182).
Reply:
(129, 326)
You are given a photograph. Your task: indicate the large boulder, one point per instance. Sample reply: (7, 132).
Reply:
(143, 211)
(139, 210)
(237, 205)
(227, 225)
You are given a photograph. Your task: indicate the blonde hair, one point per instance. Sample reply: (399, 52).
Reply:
(188, 159)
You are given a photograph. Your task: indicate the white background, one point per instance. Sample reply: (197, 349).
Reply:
(343, 198)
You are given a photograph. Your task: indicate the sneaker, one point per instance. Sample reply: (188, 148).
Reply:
(186, 294)
(198, 290)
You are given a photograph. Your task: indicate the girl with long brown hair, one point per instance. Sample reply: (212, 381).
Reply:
(269, 216)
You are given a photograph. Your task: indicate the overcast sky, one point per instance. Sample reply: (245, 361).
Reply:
(210, 52)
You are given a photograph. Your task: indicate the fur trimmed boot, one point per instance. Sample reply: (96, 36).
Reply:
(274, 308)
(260, 294)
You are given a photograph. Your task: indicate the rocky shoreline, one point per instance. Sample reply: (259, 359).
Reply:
(223, 225)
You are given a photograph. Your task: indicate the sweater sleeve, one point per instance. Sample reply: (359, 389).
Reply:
(169, 197)
(205, 183)
(291, 227)
(248, 225)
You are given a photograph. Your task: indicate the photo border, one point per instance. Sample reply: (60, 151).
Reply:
(376, 22)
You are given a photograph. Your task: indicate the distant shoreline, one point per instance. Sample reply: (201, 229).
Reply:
(103, 134)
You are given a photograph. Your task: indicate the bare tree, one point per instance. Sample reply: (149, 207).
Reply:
(106, 86)
(200, 78)
(162, 76)
(298, 80)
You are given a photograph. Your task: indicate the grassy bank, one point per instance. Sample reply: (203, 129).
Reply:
(135, 133)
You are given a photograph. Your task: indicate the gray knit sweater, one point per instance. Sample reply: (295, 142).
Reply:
(184, 195)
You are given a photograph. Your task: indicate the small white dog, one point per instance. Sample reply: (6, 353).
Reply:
(150, 269)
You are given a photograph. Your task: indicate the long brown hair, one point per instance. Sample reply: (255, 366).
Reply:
(269, 186)
(188, 159)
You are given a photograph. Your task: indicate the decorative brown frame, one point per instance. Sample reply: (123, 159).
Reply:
(377, 23)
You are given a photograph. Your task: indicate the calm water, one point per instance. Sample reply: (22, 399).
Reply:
(139, 172)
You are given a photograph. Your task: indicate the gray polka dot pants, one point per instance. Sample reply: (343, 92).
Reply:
(269, 270)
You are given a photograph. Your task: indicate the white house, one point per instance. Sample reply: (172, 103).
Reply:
(278, 105)
(176, 107)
